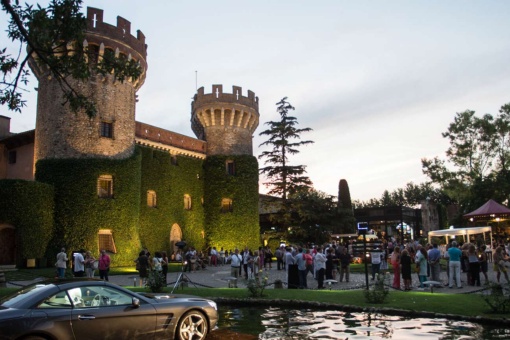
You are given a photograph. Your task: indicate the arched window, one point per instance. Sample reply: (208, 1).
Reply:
(187, 202)
(105, 186)
(106, 241)
(151, 198)
(226, 205)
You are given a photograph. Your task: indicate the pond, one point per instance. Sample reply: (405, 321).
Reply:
(276, 323)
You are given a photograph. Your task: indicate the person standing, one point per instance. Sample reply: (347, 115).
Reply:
(247, 258)
(320, 267)
(421, 263)
(345, 263)
(89, 264)
(279, 258)
(434, 256)
(142, 265)
(289, 259)
(79, 264)
(235, 263)
(164, 265)
(300, 260)
(61, 263)
(454, 254)
(376, 256)
(405, 262)
(395, 263)
(104, 265)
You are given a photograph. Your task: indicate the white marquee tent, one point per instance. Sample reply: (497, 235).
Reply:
(464, 232)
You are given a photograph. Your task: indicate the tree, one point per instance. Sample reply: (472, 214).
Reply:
(53, 37)
(476, 165)
(346, 220)
(284, 139)
(313, 216)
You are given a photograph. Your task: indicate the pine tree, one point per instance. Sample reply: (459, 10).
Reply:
(284, 139)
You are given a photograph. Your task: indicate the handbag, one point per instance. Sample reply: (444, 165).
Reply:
(417, 268)
(95, 264)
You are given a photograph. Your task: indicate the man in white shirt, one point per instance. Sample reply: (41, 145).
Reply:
(376, 256)
(79, 264)
(235, 263)
(320, 267)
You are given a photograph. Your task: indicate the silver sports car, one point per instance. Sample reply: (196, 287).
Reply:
(93, 309)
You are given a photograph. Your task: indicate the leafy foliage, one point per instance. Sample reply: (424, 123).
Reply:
(379, 291)
(155, 281)
(346, 220)
(28, 206)
(497, 298)
(54, 37)
(240, 227)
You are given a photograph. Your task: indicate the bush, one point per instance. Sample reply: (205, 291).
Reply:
(155, 281)
(258, 285)
(379, 291)
(497, 297)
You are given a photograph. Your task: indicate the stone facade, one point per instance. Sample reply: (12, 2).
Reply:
(63, 134)
(226, 120)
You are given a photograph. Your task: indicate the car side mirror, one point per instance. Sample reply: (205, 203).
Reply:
(135, 302)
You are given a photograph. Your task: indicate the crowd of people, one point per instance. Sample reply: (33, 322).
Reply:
(330, 261)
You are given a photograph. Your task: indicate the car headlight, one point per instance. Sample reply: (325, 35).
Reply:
(212, 304)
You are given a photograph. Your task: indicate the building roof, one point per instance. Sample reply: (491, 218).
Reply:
(19, 139)
(490, 209)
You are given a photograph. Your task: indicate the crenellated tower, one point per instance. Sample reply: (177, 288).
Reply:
(225, 120)
(111, 133)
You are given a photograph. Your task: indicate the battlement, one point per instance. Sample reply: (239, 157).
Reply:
(120, 33)
(218, 96)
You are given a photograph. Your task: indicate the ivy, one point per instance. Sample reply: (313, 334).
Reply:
(28, 206)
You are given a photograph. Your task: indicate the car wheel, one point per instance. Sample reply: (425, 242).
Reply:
(192, 326)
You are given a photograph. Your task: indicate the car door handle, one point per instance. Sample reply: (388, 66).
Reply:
(86, 317)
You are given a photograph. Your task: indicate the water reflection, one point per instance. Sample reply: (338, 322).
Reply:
(277, 323)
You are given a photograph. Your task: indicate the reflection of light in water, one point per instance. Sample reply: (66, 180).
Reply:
(279, 323)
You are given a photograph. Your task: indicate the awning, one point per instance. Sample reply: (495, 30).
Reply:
(464, 232)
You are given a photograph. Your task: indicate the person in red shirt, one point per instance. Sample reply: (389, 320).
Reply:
(104, 265)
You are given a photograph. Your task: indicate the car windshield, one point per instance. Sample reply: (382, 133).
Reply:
(21, 294)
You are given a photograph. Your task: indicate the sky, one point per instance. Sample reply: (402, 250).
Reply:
(377, 81)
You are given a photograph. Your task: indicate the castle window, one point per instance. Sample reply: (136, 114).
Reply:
(230, 167)
(187, 202)
(105, 186)
(12, 157)
(106, 241)
(226, 205)
(151, 198)
(106, 129)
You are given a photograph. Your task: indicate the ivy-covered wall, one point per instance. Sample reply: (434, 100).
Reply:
(28, 206)
(240, 227)
(171, 181)
(62, 208)
(80, 213)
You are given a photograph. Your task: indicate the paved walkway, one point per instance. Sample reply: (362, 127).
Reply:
(218, 277)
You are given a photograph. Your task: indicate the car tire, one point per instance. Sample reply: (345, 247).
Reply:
(193, 325)
(34, 337)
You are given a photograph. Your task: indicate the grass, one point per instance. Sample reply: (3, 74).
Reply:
(470, 305)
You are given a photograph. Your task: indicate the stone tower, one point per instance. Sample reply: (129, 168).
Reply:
(225, 120)
(111, 133)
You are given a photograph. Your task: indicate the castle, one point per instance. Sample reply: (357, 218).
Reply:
(111, 182)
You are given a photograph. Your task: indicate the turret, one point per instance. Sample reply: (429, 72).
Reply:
(111, 133)
(225, 120)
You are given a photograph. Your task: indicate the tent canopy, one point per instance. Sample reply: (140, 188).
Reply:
(490, 209)
(465, 232)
